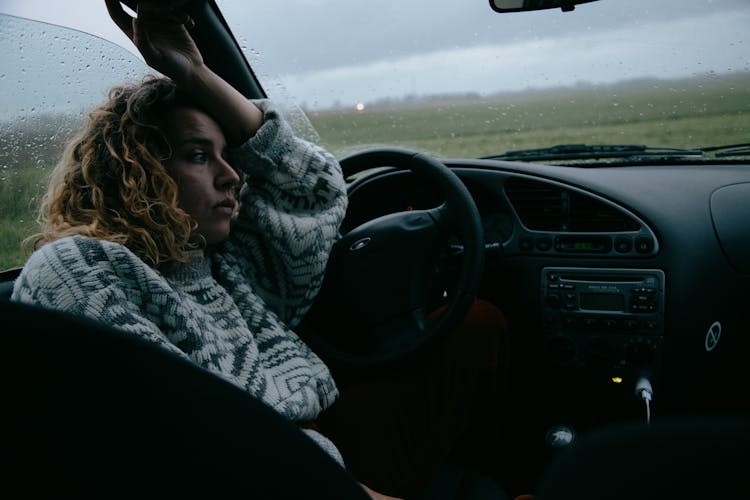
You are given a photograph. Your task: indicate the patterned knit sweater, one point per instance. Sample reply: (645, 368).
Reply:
(232, 311)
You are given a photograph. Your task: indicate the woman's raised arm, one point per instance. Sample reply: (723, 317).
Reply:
(161, 34)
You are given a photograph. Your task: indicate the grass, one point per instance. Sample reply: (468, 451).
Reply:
(654, 113)
(682, 113)
(20, 193)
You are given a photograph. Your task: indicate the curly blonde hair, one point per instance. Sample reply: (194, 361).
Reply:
(111, 182)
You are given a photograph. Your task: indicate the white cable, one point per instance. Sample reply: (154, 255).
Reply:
(644, 391)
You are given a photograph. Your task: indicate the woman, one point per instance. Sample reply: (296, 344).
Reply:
(136, 223)
(192, 217)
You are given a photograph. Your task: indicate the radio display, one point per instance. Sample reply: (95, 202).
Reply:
(602, 301)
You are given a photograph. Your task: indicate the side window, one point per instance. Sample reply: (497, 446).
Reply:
(49, 79)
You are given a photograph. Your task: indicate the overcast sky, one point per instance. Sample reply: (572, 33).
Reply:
(326, 51)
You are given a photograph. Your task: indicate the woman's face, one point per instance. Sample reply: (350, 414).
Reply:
(206, 182)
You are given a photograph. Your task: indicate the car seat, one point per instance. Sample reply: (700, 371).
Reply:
(92, 412)
(6, 282)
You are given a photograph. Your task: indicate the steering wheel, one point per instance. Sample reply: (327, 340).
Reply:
(376, 299)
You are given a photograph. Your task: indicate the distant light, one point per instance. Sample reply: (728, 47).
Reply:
(360, 106)
(617, 380)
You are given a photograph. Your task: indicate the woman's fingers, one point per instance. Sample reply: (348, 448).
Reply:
(162, 19)
(149, 9)
(121, 18)
(160, 33)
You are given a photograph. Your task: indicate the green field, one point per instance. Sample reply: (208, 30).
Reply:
(683, 113)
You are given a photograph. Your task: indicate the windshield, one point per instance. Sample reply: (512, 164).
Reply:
(456, 79)
(452, 78)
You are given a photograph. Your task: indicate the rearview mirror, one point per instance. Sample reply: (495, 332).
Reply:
(524, 5)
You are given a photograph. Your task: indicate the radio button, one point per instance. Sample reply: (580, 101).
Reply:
(631, 324)
(644, 244)
(543, 244)
(623, 244)
(570, 301)
(643, 308)
(526, 244)
(643, 304)
(553, 300)
(590, 322)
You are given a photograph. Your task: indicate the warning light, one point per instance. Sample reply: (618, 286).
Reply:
(617, 380)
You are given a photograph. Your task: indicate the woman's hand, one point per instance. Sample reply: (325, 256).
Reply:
(161, 34)
(375, 495)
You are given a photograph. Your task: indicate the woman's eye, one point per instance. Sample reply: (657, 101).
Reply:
(199, 157)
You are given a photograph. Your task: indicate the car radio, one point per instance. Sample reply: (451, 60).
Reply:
(608, 317)
(626, 300)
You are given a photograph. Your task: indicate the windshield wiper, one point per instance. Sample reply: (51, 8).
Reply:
(742, 149)
(585, 151)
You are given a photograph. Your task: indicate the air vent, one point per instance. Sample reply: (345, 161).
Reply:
(546, 207)
(540, 206)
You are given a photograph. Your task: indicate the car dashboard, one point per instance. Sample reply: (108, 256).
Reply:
(605, 275)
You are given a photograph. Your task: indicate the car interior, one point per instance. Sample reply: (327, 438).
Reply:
(626, 289)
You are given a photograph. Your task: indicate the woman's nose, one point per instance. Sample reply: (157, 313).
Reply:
(227, 175)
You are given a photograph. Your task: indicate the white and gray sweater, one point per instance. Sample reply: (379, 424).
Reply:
(231, 312)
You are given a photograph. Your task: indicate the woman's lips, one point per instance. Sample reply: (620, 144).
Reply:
(226, 206)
